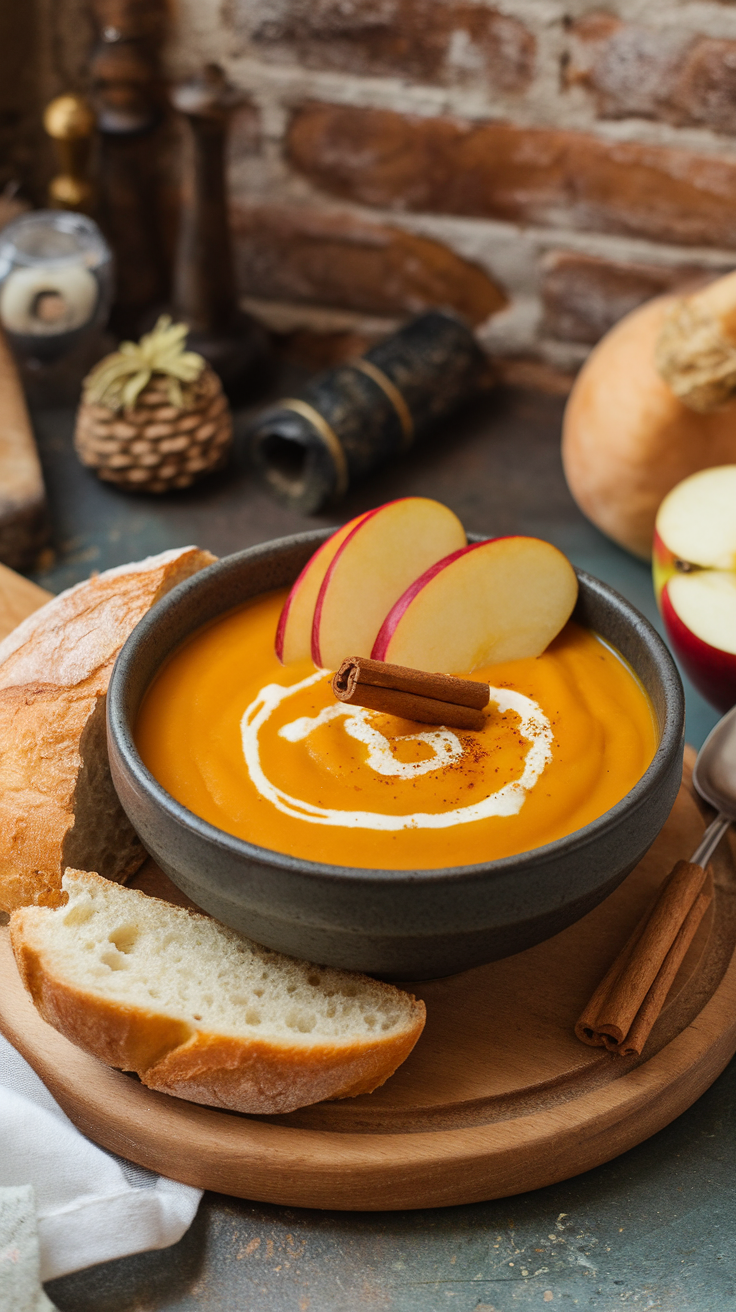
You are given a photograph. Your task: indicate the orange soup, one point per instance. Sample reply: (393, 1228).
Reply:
(265, 752)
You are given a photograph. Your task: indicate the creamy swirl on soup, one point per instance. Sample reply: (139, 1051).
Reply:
(265, 752)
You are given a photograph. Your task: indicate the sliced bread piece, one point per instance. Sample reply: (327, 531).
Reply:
(198, 1010)
(57, 803)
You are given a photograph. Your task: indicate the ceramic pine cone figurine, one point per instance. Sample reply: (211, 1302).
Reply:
(153, 416)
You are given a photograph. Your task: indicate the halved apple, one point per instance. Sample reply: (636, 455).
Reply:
(695, 579)
(500, 600)
(294, 632)
(373, 566)
(699, 611)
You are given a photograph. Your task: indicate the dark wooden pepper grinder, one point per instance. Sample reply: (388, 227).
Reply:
(129, 99)
(205, 293)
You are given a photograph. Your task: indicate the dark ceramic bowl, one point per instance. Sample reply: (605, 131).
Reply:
(399, 923)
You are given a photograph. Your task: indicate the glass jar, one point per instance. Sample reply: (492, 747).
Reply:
(56, 282)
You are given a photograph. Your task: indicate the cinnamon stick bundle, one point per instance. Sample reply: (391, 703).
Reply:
(630, 997)
(412, 694)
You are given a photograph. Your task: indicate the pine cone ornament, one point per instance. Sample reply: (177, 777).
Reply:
(153, 416)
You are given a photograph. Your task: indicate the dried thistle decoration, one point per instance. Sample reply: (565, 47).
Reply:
(118, 380)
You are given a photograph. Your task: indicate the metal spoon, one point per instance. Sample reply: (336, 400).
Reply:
(714, 777)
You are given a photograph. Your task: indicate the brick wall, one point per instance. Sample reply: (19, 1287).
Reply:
(542, 166)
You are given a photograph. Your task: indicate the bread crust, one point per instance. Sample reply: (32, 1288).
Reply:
(253, 1076)
(57, 803)
(127, 1037)
(171, 1055)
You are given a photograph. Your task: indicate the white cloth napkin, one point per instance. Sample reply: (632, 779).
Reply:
(90, 1205)
(20, 1280)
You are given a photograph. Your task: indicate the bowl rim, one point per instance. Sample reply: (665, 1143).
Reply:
(120, 732)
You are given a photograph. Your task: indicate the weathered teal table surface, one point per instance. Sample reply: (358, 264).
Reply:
(652, 1229)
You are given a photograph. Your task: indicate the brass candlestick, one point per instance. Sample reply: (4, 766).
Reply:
(70, 122)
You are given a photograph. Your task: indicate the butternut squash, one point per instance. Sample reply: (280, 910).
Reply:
(654, 402)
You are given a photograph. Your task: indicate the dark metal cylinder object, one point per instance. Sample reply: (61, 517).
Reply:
(309, 449)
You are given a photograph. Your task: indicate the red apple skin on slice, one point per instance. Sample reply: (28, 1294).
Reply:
(710, 669)
(499, 600)
(294, 632)
(372, 568)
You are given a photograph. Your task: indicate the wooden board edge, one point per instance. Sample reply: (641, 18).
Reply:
(253, 1159)
(24, 520)
(19, 598)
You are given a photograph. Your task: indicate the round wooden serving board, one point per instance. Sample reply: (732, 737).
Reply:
(498, 1096)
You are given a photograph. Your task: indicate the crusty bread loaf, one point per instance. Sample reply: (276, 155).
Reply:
(57, 803)
(199, 1011)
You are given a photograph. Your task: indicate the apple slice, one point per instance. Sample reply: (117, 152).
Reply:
(373, 566)
(500, 600)
(699, 611)
(294, 632)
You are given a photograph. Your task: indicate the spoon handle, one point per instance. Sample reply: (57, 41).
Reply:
(710, 840)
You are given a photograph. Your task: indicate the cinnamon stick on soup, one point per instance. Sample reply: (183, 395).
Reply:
(630, 997)
(412, 694)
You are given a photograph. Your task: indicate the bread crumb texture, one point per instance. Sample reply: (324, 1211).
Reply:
(200, 1011)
